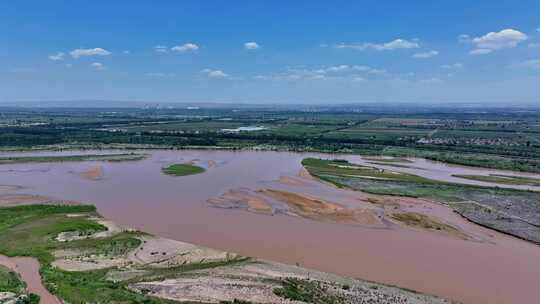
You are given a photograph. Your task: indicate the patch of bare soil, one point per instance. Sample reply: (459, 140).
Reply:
(422, 221)
(256, 282)
(303, 173)
(10, 200)
(154, 252)
(242, 199)
(163, 253)
(318, 209)
(10, 197)
(416, 213)
(95, 173)
(5, 188)
(293, 181)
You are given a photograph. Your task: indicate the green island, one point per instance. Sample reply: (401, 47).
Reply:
(505, 210)
(182, 169)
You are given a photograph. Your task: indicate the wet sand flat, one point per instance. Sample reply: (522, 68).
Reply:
(492, 268)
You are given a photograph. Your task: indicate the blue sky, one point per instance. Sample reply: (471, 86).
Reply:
(271, 51)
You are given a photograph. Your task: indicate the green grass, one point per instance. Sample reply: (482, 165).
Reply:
(387, 160)
(72, 158)
(503, 179)
(36, 238)
(344, 169)
(306, 291)
(386, 182)
(158, 274)
(188, 126)
(118, 244)
(182, 169)
(31, 231)
(10, 281)
(422, 221)
(502, 203)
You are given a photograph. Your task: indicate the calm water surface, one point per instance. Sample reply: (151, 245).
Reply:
(138, 195)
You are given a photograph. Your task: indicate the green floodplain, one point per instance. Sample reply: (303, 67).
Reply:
(498, 138)
(514, 212)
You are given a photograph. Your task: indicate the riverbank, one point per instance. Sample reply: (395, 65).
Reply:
(81, 263)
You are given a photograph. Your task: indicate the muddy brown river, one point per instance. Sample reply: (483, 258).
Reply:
(494, 268)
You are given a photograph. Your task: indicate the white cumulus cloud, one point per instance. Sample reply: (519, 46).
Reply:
(98, 66)
(161, 49)
(89, 52)
(334, 72)
(215, 73)
(160, 74)
(186, 47)
(388, 46)
(464, 38)
(480, 51)
(425, 55)
(452, 66)
(252, 45)
(345, 68)
(433, 80)
(492, 41)
(56, 57)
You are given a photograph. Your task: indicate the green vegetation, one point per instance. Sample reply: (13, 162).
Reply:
(35, 229)
(515, 212)
(387, 160)
(72, 158)
(31, 231)
(10, 281)
(118, 244)
(306, 291)
(236, 301)
(182, 169)
(480, 160)
(494, 138)
(327, 169)
(503, 179)
(419, 220)
(172, 272)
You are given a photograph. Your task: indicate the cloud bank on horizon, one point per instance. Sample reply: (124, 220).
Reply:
(271, 51)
